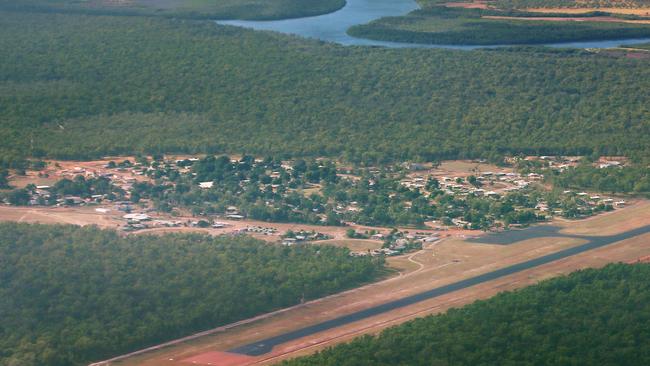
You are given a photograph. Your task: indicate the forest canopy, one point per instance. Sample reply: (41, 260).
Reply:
(591, 317)
(77, 87)
(194, 9)
(72, 295)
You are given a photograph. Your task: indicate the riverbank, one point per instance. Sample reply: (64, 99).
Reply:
(402, 24)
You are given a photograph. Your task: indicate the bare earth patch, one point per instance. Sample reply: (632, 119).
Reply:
(601, 19)
(631, 11)
(637, 214)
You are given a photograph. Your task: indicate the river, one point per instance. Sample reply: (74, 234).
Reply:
(332, 27)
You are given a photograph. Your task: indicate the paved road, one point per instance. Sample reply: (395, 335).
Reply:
(266, 345)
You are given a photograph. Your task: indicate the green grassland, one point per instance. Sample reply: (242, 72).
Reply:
(204, 9)
(76, 86)
(441, 25)
(591, 317)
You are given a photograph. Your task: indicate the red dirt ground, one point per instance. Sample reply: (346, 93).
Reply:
(645, 259)
(606, 19)
(216, 358)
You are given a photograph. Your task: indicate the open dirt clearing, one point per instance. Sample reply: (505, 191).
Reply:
(602, 19)
(443, 263)
(637, 214)
(463, 168)
(631, 11)
(86, 215)
(54, 215)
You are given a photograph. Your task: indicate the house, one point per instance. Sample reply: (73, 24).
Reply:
(72, 200)
(460, 223)
(401, 242)
(137, 217)
(608, 164)
(431, 239)
(206, 185)
(289, 241)
(235, 217)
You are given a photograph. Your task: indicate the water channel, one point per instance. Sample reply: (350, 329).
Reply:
(332, 27)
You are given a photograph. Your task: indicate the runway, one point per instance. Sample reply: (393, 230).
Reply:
(264, 346)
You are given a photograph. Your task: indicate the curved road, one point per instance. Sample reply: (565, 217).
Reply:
(264, 346)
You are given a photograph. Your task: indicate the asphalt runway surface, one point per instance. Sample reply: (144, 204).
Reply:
(264, 346)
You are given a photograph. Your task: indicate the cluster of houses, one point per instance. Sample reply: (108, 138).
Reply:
(398, 243)
(486, 184)
(261, 230)
(561, 163)
(500, 182)
(293, 238)
(140, 221)
(120, 177)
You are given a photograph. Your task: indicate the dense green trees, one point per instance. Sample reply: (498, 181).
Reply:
(87, 86)
(70, 295)
(4, 182)
(592, 317)
(631, 179)
(194, 9)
